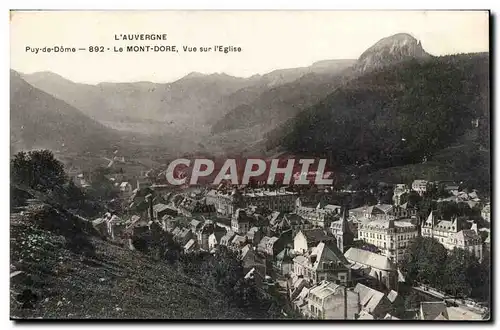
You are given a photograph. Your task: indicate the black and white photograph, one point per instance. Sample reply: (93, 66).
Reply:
(250, 165)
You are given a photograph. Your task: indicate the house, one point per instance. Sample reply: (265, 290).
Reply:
(184, 236)
(452, 234)
(433, 310)
(486, 212)
(283, 262)
(372, 265)
(294, 222)
(238, 242)
(203, 231)
(267, 245)
(323, 262)
(190, 207)
(115, 226)
(373, 212)
(295, 284)
(256, 275)
(227, 238)
(275, 217)
(405, 210)
(160, 210)
(341, 230)
(400, 191)
(126, 187)
(191, 246)
(100, 226)
(215, 238)
(372, 301)
(391, 236)
(326, 301)
(316, 216)
(419, 186)
(195, 225)
(240, 222)
(300, 303)
(250, 258)
(305, 239)
(254, 235)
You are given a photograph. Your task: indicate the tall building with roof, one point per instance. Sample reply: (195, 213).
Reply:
(342, 232)
(373, 266)
(400, 190)
(451, 234)
(323, 262)
(327, 301)
(391, 237)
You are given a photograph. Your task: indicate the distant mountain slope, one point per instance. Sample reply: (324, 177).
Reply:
(395, 115)
(186, 100)
(268, 104)
(39, 120)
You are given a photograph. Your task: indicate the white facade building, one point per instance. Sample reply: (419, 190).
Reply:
(392, 237)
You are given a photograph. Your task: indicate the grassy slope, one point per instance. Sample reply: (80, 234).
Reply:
(113, 282)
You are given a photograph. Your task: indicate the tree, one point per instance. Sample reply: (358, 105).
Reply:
(461, 274)
(37, 170)
(424, 261)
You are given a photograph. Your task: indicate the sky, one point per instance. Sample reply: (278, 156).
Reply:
(269, 40)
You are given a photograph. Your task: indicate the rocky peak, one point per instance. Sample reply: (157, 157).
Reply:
(390, 50)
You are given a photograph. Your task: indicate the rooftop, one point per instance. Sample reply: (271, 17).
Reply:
(431, 310)
(369, 259)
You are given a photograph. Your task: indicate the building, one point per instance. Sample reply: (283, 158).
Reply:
(190, 207)
(191, 246)
(250, 258)
(316, 216)
(342, 232)
(254, 235)
(227, 203)
(227, 238)
(452, 235)
(372, 301)
(160, 210)
(433, 310)
(373, 212)
(374, 266)
(326, 301)
(392, 237)
(283, 263)
(486, 212)
(215, 238)
(237, 242)
(400, 191)
(240, 222)
(419, 186)
(291, 221)
(203, 232)
(268, 245)
(276, 200)
(404, 211)
(126, 187)
(306, 239)
(323, 262)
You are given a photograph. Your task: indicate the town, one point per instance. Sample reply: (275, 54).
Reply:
(324, 259)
